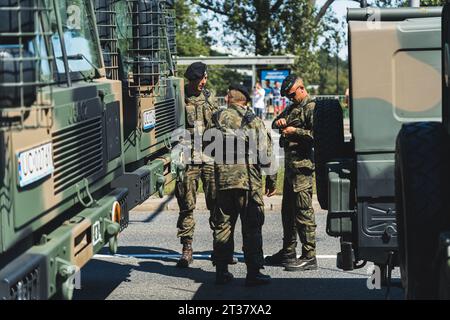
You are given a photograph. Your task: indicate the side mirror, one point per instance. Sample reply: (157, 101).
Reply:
(17, 78)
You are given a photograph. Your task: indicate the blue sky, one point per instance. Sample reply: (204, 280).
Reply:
(339, 7)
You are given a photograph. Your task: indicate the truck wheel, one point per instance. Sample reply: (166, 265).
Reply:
(328, 128)
(421, 185)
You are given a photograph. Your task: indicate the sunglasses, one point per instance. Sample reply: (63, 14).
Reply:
(293, 93)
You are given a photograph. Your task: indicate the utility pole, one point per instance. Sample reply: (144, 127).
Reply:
(414, 3)
(337, 61)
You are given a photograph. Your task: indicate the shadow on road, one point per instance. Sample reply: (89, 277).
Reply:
(100, 278)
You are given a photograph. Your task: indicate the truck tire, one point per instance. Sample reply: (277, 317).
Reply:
(328, 129)
(421, 185)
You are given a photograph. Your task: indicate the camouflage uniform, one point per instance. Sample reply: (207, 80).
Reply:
(199, 111)
(297, 211)
(239, 191)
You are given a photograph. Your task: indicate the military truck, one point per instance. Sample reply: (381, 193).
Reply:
(138, 43)
(394, 68)
(63, 147)
(422, 190)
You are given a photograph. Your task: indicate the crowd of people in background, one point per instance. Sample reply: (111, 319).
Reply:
(267, 101)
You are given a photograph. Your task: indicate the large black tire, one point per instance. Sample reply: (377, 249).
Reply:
(328, 128)
(421, 187)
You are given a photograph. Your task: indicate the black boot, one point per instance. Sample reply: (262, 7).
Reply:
(256, 278)
(186, 257)
(281, 258)
(302, 264)
(223, 276)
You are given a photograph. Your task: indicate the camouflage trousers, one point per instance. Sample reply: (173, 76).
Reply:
(186, 194)
(247, 205)
(297, 215)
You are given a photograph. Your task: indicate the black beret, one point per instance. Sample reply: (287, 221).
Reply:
(196, 71)
(241, 89)
(287, 84)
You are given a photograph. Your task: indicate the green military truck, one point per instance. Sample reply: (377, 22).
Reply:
(395, 76)
(138, 43)
(422, 190)
(63, 141)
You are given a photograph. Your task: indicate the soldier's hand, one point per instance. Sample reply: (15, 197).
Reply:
(270, 192)
(281, 123)
(288, 131)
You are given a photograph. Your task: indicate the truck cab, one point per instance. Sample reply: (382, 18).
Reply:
(422, 167)
(138, 44)
(395, 76)
(61, 147)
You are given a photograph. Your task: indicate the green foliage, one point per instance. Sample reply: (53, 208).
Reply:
(274, 27)
(327, 74)
(189, 42)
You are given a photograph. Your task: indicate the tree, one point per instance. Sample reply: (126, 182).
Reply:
(257, 23)
(267, 27)
(189, 42)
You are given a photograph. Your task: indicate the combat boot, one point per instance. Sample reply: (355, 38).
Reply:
(302, 264)
(256, 278)
(223, 276)
(281, 258)
(186, 256)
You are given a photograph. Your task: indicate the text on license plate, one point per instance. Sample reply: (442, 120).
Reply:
(34, 164)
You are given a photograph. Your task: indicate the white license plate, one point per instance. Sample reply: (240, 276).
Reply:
(149, 119)
(35, 164)
(96, 232)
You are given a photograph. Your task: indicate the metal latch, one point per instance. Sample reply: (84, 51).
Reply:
(91, 200)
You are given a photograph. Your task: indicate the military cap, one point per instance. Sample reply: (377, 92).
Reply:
(241, 89)
(196, 71)
(288, 83)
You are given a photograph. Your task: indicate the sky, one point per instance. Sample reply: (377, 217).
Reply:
(339, 7)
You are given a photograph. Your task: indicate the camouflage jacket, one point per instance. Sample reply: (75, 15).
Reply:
(299, 161)
(199, 111)
(245, 169)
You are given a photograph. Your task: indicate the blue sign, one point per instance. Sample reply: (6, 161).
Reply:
(274, 76)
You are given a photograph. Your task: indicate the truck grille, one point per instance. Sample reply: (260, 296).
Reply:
(26, 288)
(165, 117)
(77, 153)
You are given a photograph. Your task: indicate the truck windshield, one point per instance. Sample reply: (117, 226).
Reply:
(80, 42)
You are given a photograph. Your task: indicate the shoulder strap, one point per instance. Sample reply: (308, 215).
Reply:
(216, 117)
(207, 95)
(248, 118)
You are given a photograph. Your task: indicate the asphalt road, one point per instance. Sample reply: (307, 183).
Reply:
(145, 267)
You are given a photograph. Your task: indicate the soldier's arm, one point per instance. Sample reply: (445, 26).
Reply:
(304, 134)
(280, 116)
(271, 179)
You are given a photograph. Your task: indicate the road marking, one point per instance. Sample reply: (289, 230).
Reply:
(176, 256)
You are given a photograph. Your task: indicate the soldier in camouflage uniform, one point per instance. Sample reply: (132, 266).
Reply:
(239, 188)
(200, 105)
(295, 124)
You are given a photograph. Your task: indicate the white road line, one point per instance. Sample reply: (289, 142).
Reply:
(166, 256)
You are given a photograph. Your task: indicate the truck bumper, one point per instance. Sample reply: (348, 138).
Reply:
(51, 267)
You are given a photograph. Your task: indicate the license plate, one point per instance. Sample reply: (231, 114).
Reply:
(35, 164)
(149, 119)
(96, 232)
